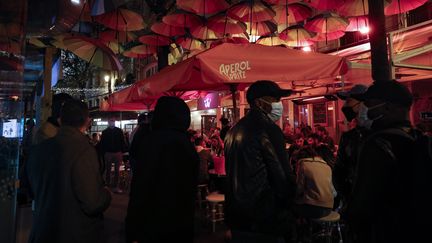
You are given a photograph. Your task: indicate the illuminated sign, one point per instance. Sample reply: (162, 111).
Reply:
(209, 101)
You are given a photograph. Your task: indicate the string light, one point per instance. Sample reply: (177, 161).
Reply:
(86, 91)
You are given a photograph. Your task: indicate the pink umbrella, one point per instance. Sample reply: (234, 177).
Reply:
(155, 40)
(121, 19)
(292, 13)
(326, 23)
(204, 33)
(325, 4)
(119, 36)
(328, 36)
(234, 40)
(402, 6)
(144, 49)
(225, 25)
(296, 36)
(167, 30)
(182, 19)
(251, 11)
(203, 7)
(190, 43)
(261, 28)
(281, 2)
(359, 23)
(132, 54)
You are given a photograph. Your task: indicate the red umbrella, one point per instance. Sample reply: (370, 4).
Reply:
(261, 28)
(132, 54)
(251, 11)
(326, 4)
(190, 43)
(119, 36)
(402, 6)
(359, 23)
(167, 30)
(155, 40)
(326, 23)
(93, 51)
(328, 36)
(296, 36)
(182, 19)
(204, 33)
(292, 13)
(144, 49)
(225, 25)
(234, 40)
(272, 40)
(281, 2)
(121, 19)
(204, 7)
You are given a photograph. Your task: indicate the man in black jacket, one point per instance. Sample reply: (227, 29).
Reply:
(261, 186)
(69, 195)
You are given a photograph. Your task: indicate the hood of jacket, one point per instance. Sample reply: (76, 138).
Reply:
(171, 113)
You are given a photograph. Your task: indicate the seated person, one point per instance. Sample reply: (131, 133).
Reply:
(206, 161)
(315, 191)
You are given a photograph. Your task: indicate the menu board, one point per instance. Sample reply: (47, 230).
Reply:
(319, 114)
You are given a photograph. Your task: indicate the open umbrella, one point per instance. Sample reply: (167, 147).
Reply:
(402, 6)
(114, 46)
(119, 36)
(261, 28)
(296, 36)
(326, 23)
(190, 43)
(144, 49)
(326, 4)
(132, 54)
(121, 19)
(233, 40)
(155, 40)
(328, 36)
(203, 7)
(358, 23)
(167, 30)
(225, 25)
(292, 13)
(281, 2)
(93, 51)
(182, 19)
(272, 40)
(251, 11)
(203, 32)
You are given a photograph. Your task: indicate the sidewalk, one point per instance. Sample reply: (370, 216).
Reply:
(114, 224)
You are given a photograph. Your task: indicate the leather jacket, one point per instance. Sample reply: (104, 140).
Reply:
(260, 182)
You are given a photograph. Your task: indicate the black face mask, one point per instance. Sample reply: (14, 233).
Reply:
(349, 113)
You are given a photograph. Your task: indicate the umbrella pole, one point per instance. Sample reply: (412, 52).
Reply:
(233, 89)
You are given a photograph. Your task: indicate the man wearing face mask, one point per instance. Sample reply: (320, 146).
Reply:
(383, 207)
(343, 172)
(260, 183)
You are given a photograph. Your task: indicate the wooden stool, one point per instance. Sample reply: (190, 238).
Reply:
(328, 224)
(202, 192)
(216, 214)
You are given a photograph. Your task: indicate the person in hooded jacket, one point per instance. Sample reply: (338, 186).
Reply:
(163, 189)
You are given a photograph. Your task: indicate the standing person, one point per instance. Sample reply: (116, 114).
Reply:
(162, 199)
(49, 128)
(112, 144)
(346, 158)
(392, 175)
(225, 127)
(68, 189)
(261, 185)
(141, 130)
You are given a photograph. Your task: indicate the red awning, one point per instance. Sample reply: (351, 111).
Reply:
(225, 64)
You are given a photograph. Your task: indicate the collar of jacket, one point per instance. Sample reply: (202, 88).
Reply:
(260, 116)
(71, 132)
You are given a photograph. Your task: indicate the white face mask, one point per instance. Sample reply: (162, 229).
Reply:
(276, 111)
(363, 119)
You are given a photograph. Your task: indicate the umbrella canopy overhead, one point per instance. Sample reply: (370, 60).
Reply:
(358, 23)
(119, 36)
(326, 4)
(121, 19)
(203, 32)
(326, 23)
(155, 40)
(242, 64)
(93, 51)
(251, 11)
(292, 13)
(203, 7)
(182, 19)
(167, 30)
(402, 6)
(223, 24)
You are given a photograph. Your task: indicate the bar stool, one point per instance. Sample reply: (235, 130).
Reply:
(215, 201)
(202, 192)
(328, 224)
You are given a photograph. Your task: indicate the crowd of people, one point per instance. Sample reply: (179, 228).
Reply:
(273, 179)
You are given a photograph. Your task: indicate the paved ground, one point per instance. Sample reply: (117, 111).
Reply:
(114, 224)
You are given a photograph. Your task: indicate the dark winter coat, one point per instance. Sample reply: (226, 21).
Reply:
(68, 190)
(163, 191)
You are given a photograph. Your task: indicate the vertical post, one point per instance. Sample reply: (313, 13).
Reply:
(378, 41)
(392, 67)
(233, 89)
(47, 95)
(162, 54)
(241, 103)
